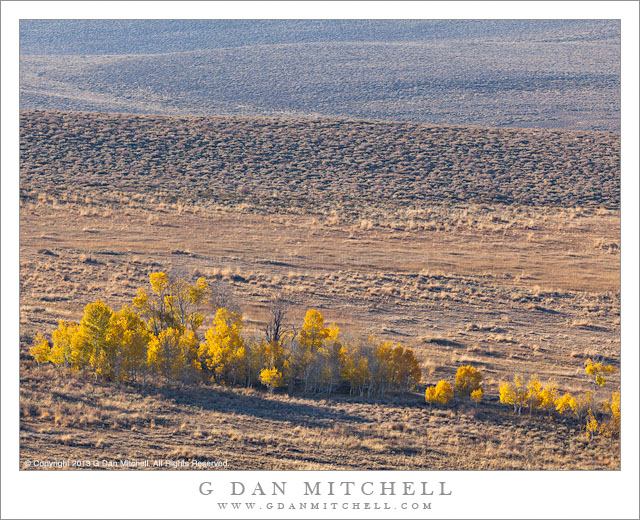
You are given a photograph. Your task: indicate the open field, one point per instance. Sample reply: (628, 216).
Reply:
(477, 270)
(508, 73)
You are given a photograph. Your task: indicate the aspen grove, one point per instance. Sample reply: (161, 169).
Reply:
(161, 337)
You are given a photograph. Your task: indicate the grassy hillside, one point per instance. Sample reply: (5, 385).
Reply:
(315, 166)
(251, 430)
(506, 289)
(497, 248)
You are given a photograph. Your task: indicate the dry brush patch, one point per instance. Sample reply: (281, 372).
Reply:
(305, 165)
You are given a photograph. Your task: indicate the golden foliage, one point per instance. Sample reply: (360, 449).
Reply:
(468, 380)
(40, 349)
(533, 396)
(354, 368)
(611, 427)
(592, 424)
(271, 378)
(223, 351)
(514, 394)
(477, 395)
(441, 393)
(581, 404)
(165, 352)
(91, 347)
(63, 343)
(563, 403)
(597, 372)
(548, 396)
(129, 339)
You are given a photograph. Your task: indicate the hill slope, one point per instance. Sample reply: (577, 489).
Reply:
(99, 37)
(545, 74)
(279, 163)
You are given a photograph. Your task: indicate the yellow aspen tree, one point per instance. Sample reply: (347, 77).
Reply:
(597, 373)
(313, 332)
(611, 427)
(172, 305)
(91, 347)
(222, 340)
(189, 363)
(129, 338)
(614, 407)
(383, 366)
(272, 353)
(441, 393)
(312, 354)
(413, 373)
(156, 307)
(40, 350)
(578, 404)
(406, 369)
(548, 397)
(354, 368)
(63, 340)
(508, 395)
(563, 403)
(271, 378)
(430, 394)
(361, 374)
(533, 397)
(331, 360)
(514, 394)
(592, 425)
(260, 354)
(165, 353)
(476, 396)
(468, 379)
(236, 364)
(444, 392)
(348, 364)
(183, 300)
(397, 367)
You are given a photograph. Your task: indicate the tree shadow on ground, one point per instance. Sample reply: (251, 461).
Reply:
(314, 412)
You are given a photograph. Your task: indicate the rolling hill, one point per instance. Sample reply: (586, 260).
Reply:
(544, 74)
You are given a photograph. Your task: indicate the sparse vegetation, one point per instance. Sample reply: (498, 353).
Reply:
(583, 406)
(564, 74)
(496, 285)
(363, 166)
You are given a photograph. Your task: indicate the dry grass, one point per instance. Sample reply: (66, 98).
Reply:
(532, 325)
(459, 283)
(252, 429)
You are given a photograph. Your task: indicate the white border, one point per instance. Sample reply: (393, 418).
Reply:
(174, 494)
